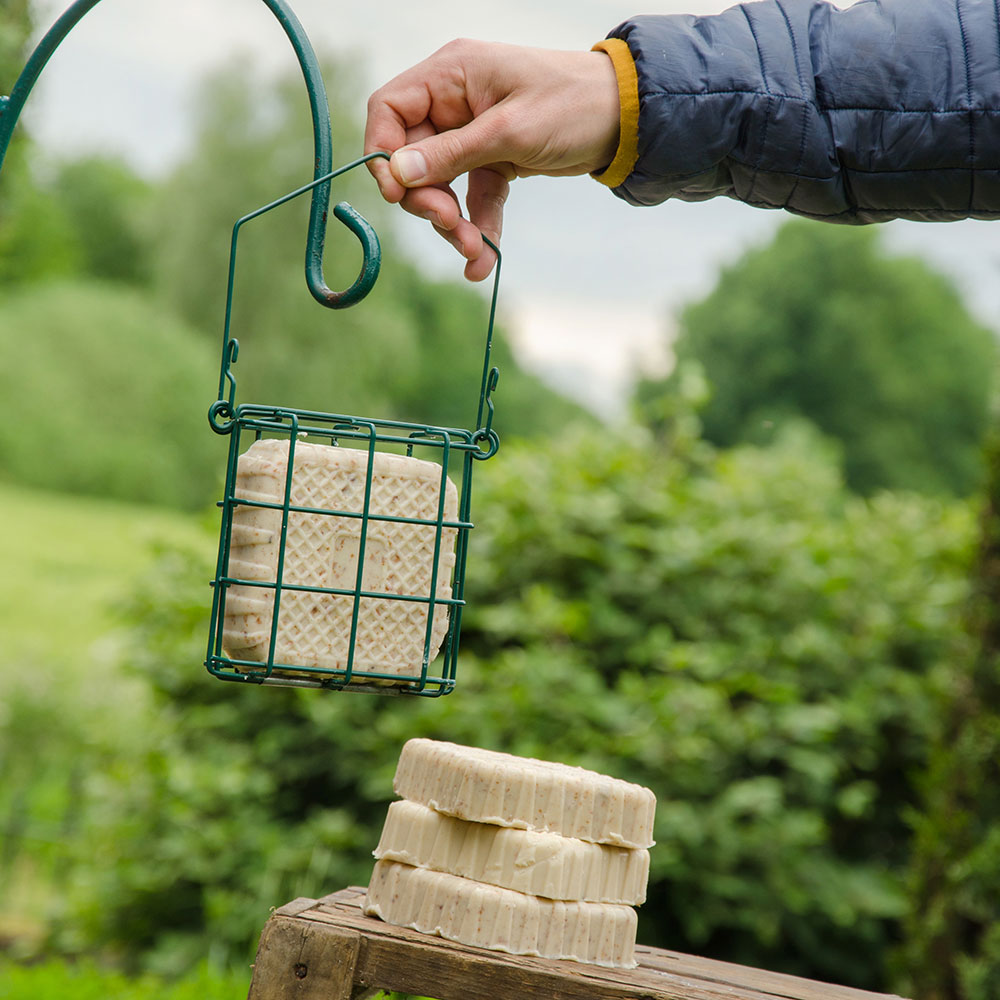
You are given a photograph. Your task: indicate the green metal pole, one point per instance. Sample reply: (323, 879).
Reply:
(10, 112)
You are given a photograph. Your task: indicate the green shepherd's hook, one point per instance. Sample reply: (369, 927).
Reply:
(10, 111)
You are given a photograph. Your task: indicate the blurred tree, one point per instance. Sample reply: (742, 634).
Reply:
(106, 394)
(877, 351)
(36, 239)
(33, 236)
(105, 205)
(15, 30)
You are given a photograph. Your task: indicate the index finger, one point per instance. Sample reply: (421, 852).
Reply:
(394, 110)
(385, 132)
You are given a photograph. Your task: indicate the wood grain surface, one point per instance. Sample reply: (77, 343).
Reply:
(327, 949)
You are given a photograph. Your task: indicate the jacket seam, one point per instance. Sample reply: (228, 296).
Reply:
(802, 86)
(823, 108)
(770, 102)
(826, 178)
(923, 170)
(968, 101)
(847, 213)
(996, 10)
(866, 210)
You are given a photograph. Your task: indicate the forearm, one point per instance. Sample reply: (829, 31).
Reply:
(880, 111)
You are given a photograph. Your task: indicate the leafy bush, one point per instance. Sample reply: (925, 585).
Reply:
(65, 708)
(952, 946)
(734, 630)
(752, 643)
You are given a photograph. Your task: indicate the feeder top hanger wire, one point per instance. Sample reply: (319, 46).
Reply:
(343, 541)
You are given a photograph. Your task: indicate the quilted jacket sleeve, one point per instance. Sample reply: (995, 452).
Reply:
(887, 109)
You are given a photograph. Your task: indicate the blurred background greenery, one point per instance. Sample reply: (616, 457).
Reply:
(771, 594)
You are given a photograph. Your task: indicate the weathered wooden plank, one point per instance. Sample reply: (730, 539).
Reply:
(397, 958)
(351, 896)
(447, 971)
(295, 907)
(778, 984)
(300, 960)
(650, 959)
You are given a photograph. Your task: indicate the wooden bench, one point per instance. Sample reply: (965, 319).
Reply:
(327, 949)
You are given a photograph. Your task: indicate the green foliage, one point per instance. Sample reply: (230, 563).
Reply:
(105, 204)
(86, 217)
(952, 949)
(105, 394)
(877, 351)
(32, 232)
(36, 239)
(65, 708)
(756, 646)
(15, 29)
(55, 980)
(734, 630)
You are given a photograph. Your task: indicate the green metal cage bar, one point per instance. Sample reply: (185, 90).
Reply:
(456, 452)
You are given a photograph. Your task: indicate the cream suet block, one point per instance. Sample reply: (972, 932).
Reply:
(540, 864)
(321, 550)
(486, 916)
(486, 786)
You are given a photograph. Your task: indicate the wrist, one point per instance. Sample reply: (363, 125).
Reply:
(623, 156)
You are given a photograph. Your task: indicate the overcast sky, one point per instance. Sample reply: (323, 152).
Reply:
(589, 282)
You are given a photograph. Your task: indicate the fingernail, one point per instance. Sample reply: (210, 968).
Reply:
(410, 165)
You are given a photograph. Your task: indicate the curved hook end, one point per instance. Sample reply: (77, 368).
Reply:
(370, 265)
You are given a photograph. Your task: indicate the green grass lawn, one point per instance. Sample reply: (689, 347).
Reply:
(57, 980)
(64, 561)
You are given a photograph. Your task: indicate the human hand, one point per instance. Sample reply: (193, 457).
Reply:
(495, 112)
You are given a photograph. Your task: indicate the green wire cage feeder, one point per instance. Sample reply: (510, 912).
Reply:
(343, 543)
(343, 539)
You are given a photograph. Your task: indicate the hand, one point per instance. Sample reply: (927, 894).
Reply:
(495, 112)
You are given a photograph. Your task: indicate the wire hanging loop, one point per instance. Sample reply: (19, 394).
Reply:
(10, 111)
(485, 436)
(223, 411)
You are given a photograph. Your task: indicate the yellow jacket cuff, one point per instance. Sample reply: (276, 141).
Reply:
(628, 98)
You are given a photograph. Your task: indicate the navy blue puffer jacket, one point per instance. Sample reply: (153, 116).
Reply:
(887, 109)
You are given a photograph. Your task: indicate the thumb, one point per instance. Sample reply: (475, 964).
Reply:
(439, 159)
